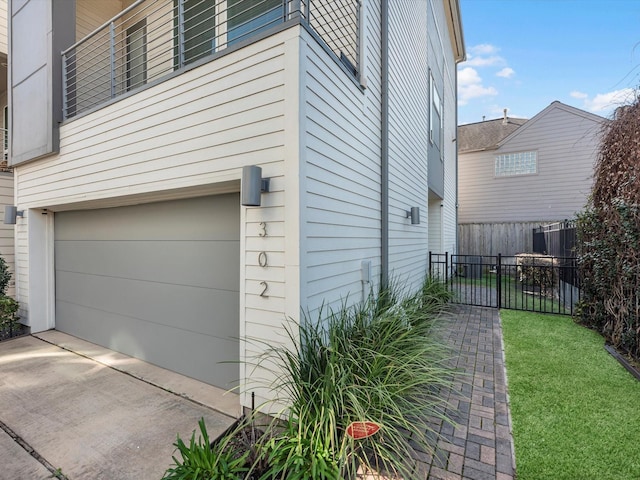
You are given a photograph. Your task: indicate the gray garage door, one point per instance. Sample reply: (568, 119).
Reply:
(157, 281)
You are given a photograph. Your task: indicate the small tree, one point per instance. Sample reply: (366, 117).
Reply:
(609, 235)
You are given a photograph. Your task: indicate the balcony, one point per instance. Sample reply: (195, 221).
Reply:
(151, 39)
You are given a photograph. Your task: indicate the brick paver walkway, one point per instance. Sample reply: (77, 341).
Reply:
(480, 446)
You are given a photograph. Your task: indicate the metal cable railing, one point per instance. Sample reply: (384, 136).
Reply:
(152, 38)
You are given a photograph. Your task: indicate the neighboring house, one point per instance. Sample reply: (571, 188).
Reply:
(129, 149)
(6, 176)
(515, 175)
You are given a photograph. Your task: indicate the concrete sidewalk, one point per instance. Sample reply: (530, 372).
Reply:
(95, 414)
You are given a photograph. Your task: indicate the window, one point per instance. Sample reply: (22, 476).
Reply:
(435, 117)
(212, 25)
(521, 163)
(199, 29)
(248, 17)
(136, 72)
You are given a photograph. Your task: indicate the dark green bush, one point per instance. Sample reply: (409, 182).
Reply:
(8, 313)
(609, 236)
(5, 277)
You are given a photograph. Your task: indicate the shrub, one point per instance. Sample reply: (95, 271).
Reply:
(5, 277)
(609, 236)
(8, 313)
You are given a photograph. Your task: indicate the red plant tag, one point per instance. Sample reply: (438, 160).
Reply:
(359, 430)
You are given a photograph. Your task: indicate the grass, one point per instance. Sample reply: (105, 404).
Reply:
(513, 293)
(575, 410)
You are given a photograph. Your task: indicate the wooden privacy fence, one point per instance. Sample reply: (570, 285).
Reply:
(530, 282)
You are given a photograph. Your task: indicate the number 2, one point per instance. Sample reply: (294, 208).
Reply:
(264, 286)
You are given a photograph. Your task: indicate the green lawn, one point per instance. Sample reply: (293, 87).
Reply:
(513, 295)
(575, 410)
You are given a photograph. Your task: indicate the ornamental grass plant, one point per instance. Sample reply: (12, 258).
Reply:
(380, 361)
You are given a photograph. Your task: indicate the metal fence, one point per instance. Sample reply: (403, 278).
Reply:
(152, 38)
(535, 283)
(557, 239)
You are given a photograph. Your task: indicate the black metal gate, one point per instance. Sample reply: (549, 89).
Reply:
(531, 282)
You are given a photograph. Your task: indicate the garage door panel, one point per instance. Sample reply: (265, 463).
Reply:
(158, 281)
(211, 312)
(156, 221)
(163, 261)
(209, 359)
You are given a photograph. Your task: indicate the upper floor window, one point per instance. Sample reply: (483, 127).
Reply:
(520, 163)
(435, 115)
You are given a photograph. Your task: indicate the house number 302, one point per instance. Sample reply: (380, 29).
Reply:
(262, 259)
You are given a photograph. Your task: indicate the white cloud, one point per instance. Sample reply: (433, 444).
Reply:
(506, 72)
(482, 49)
(605, 103)
(470, 86)
(479, 61)
(483, 55)
(608, 101)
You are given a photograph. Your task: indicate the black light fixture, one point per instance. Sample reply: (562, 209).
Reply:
(11, 213)
(252, 185)
(414, 215)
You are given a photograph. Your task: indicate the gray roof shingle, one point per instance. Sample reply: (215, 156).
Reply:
(487, 134)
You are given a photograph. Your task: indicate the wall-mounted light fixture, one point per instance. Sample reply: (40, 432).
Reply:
(11, 212)
(414, 215)
(252, 185)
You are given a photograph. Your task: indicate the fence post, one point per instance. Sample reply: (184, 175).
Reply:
(499, 281)
(430, 267)
(446, 267)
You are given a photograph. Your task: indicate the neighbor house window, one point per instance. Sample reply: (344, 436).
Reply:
(521, 163)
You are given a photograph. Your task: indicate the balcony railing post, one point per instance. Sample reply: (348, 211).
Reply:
(64, 87)
(180, 33)
(112, 57)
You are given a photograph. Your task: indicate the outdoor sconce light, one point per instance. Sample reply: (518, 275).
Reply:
(252, 185)
(11, 212)
(414, 215)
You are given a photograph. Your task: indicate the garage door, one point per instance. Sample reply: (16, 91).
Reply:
(157, 281)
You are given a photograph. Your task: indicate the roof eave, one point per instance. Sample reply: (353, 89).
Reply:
(454, 22)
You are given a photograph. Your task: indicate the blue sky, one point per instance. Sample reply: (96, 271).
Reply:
(524, 54)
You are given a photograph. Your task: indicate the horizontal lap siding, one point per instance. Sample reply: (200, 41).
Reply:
(3, 27)
(7, 232)
(566, 145)
(342, 175)
(408, 140)
(192, 131)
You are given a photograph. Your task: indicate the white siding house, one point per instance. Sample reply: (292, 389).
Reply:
(516, 175)
(6, 177)
(133, 235)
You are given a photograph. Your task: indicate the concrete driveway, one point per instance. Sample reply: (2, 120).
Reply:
(95, 414)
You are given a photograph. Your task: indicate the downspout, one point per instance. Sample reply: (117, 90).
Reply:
(384, 144)
(457, 162)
